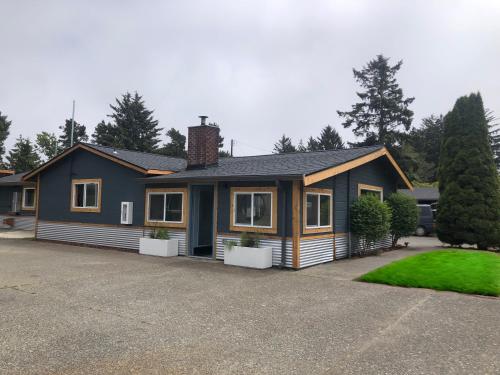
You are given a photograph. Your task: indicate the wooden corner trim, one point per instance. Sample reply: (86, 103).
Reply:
(296, 224)
(76, 181)
(329, 172)
(165, 224)
(274, 210)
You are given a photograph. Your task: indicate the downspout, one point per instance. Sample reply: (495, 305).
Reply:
(349, 214)
(284, 223)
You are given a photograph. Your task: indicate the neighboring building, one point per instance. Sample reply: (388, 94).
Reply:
(423, 195)
(17, 202)
(297, 202)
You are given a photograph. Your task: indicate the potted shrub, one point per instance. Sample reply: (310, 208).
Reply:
(248, 253)
(159, 244)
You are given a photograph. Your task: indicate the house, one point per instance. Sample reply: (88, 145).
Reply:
(297, 203)
(423, 195)
(17, 201)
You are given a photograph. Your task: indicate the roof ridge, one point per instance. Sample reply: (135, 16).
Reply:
(304, 152)
(137, 152)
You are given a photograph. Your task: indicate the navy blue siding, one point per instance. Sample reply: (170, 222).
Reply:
(6, 197)
(118, 184)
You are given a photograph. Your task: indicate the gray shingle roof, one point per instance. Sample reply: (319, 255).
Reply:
(13, 179)
(282, 165)
(143, 159)
(426, 193)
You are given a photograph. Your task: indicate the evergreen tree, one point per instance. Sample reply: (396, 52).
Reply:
(330, 139)
(301, 147)
(4, 133)
(177, 145)
(313, 144)
(469, 186)
(79, 134)
(105, 134)
(494, 133)
(23, 156)
(284, 145)
(47, 144)
(383, 111)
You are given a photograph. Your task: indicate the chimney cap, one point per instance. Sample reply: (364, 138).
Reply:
(203, 119)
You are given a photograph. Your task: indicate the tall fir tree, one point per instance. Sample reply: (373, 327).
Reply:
(469, 186)
(330, 139)
(79, 134)
(284, 145)
(47, 145)
(4, 133)
(177, 145)
(23, 156)
(383, 112)
(494, 133)
(133, 126)
(313, 144)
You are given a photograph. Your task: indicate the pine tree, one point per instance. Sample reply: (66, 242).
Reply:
(469, 186)
(177, 145)
(313, 144)
(301, 147)
(47, 144)
(383, 111)
(330, 139)
(23, 156)
(4, 133)
(494, 133)
(284, 145)
(133, 126)
(105, 134)
(79, 134)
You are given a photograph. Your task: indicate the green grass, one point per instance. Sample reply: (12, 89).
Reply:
(463, 271)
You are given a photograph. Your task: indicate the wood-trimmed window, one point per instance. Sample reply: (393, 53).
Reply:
(86, 195)
(166, 207)
(29, 199)
(254, 209)
(317, 211)
(377, 191)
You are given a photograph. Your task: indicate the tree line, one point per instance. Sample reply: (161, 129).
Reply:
(131, 125)
(383, 116)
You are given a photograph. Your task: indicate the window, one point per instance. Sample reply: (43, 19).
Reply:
(29, 196)
(376, 191)
(253, 209)
(165, 207)
(86, 195)
(317, 210)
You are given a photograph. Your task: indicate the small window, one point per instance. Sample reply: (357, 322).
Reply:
(375, 191)
(253, 209)
(318, 209)
(86, 195)
(29, 196)
(165, 207)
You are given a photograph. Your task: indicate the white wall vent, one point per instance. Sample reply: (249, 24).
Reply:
(127, 212)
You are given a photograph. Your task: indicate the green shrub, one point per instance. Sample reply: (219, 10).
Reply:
(404, 216)
(160, 234)
(370, 221)
(249, 240)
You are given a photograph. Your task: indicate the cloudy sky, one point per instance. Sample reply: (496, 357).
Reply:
(258, 68)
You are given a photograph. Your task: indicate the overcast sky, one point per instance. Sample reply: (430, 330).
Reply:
(257, 68)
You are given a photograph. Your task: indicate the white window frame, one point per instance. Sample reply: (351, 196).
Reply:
(24, 205)
(329, 195)
(85, 207)
(148, 212)
(252, 194)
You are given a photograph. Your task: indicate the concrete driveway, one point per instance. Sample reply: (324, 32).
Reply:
(67, 309)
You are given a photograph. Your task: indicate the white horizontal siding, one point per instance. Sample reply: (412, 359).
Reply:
(342, 251)
(341, 247)
(119, 237)
(20, 222)
(315, 251)
(275, 244)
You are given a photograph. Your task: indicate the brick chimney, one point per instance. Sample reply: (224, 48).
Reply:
(203, 145)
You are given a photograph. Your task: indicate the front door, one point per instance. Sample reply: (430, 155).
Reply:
(201, 226)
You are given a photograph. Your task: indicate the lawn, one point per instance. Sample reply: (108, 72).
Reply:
(463, 271)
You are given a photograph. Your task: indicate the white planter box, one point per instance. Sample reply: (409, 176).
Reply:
(251, 257)
(160, 248)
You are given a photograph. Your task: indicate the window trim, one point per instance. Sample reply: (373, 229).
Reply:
(79, 181)
(23, 204)
(234, 191)
(379, 189)
(166, 224)
(319, 228)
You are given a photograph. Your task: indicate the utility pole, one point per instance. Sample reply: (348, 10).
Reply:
(232, 144)
(73, 123)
